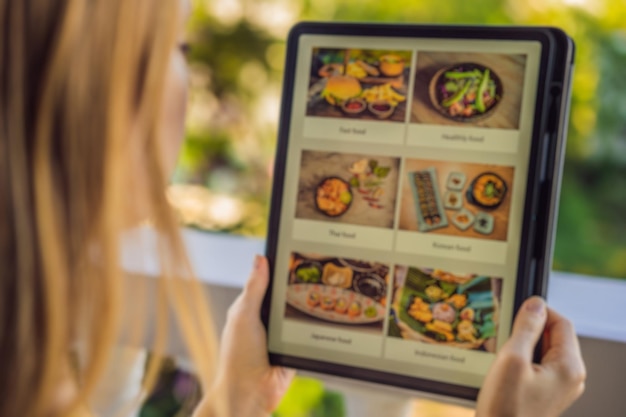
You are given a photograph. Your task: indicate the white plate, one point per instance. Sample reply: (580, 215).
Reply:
(297, 296)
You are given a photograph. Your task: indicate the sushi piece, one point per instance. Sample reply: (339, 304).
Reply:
(313, 298)
(327, 303)
(355, 309)
(341, 306)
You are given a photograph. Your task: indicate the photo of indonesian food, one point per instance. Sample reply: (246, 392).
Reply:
(484, 90)
(358, 83)
(439, 307)
(337, 290)
(457, 199)
(347, 188)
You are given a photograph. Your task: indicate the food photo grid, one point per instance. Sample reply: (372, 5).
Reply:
(479, 89)
(443, 308)
(338, 292)
(456, 199)
(348, 188)
(359, 83)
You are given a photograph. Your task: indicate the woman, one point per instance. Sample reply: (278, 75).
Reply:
(92, 99)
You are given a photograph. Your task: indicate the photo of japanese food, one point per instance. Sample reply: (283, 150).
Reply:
(484, 90)
(359, 83)
(348, 188)
(456, 199)
(337, 291)
(445, 308)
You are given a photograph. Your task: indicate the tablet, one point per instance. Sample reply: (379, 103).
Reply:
(414, 197)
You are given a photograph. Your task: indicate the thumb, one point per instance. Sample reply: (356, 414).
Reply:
(254, 291)
(528, 327)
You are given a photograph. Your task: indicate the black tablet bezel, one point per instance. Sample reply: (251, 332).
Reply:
(536, 207)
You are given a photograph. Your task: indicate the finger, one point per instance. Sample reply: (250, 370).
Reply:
(256, 286)
(560, 330)
(527, 328)
(564, 348)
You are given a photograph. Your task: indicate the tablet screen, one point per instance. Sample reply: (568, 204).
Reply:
(401, 215)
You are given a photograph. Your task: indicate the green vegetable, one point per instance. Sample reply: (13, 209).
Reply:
(373, 164)
(487, 330)
(478, 305)
(370, 312)
(309, 274)
(345, 197)
(492, 89)
(451, 86)
(476, 281)
(455, 75)
(354, 182)
(458, 96)
(480, 99)
(382, 172)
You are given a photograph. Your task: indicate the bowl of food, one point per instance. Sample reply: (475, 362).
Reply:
(465, 92)
(333, 196)
(391, 65)
(371, 285)
(382, 109)
(354, 106)
(487, 190)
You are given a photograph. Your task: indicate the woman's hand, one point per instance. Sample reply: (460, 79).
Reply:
(245, 382)
(517, 387)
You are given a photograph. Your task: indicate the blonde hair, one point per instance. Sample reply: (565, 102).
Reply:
(77, 78)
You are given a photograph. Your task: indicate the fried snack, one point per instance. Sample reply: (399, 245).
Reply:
(466, 331)
(383, 93)
(337, 276)
(442, 328)
(458, 301)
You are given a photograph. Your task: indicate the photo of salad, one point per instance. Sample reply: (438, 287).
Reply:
(359, 83)
(339, 291)
(347, 188)
(459, 88)
(466, 92)
(439, 307)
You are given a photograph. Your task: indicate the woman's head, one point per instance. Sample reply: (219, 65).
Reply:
(91, 109)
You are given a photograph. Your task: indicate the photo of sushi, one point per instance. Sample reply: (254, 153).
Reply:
(349, 292)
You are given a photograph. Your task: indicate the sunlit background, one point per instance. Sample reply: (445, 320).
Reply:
(223, 179)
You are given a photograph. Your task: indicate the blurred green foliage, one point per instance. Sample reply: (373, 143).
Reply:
(307, 397)
(237, 59)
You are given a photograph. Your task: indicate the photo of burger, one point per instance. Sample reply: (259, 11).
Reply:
(355, 83)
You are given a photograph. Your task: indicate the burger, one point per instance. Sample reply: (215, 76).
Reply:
(340, 88)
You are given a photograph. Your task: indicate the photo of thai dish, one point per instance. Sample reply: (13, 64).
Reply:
(458, 88)
(439, 307)
(359, 83)
(458, 199)
(333, 290)
(347, 188)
